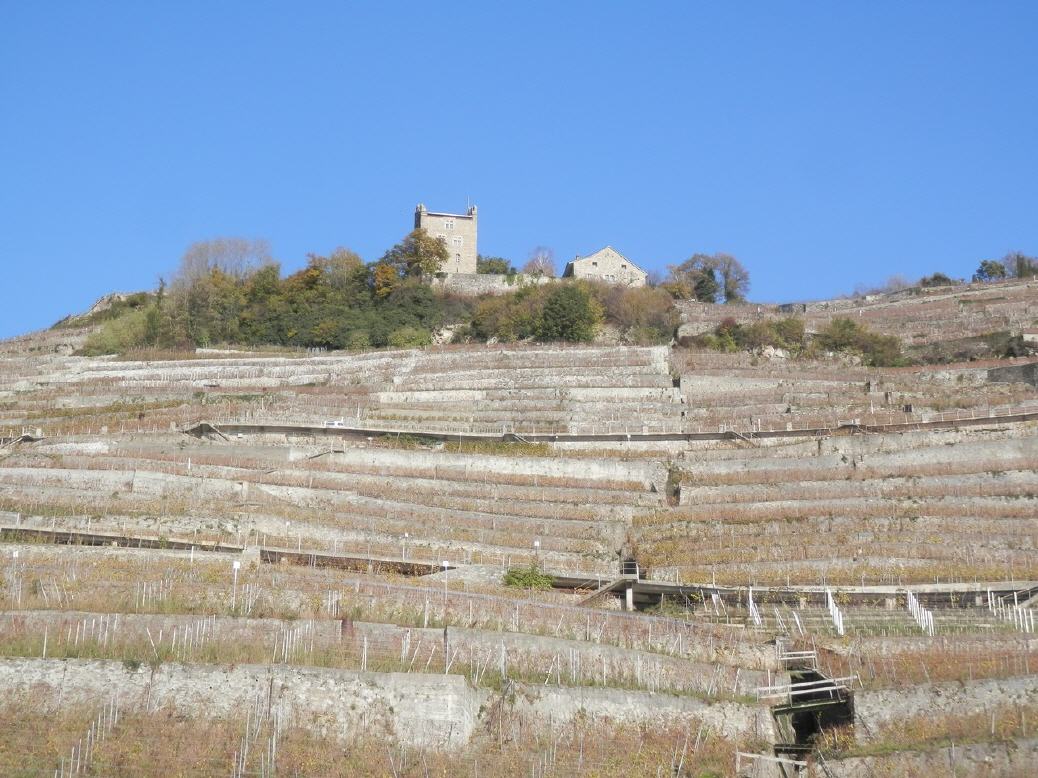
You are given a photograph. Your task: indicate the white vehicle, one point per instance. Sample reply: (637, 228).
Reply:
(341, 423)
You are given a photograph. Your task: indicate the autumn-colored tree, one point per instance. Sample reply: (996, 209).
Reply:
(384, 279)
(418, 254)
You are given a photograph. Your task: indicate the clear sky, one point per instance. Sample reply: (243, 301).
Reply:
(824, 144)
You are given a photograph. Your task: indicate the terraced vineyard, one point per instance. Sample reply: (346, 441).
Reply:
(259, 564)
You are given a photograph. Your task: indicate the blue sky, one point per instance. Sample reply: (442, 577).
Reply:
(824, 144)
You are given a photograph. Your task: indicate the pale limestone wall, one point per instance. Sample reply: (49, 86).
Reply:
(1011, 759)
(607, 265)
(458, 231)
(880, 708)
(420, 710)
(488, 283)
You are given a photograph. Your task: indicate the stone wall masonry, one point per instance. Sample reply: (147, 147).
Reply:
(555, 705)
(1015, 759)
(611, 394)
(929, 447)
(431, 463)
(892, 487)
(874, 710)
(1027, 374)
(476, 284)
(418, 463)
(421, 710)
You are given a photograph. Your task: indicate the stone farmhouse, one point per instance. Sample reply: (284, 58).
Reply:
(607, 265)
(458, 231)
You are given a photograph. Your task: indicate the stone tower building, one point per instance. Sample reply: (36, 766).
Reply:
(457, 231)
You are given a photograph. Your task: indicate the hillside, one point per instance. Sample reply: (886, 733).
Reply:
(251, 560)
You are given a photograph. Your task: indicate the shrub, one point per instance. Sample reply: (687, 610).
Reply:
(644, 315)
(528, 578)
(731, 336)
(937, 279)
(570, 313)
(848, 336)
(409, 337)
(358, 340)
(117, 335)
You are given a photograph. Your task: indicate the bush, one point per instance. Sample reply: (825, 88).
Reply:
(646, 316)
(846, 335)
(528, 578)
(409, 337)
(937, 279)
(731, 336)
(358, 340)
(570, 313)
(117, 335)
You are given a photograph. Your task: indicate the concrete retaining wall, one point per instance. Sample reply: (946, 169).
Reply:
(874, 710)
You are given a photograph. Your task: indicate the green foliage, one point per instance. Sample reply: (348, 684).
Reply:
(334, 302)
(496, 265)
(417, 254)
(570, 313)
(848, 336)
(509, 317)
(116, 309)
(705, 286)
(706, 277)
(528, 578)
(937, 279)
(574, 311)
(644, 315)
(730, 336)
(409, 337)
(990, 270)
(131, 329)
(841, 335)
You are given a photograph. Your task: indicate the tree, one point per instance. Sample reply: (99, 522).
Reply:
(418, 254)
(493, 265)
(708, 276)
(570, 313)
(734, 278)
(235, 257)
(1019, 265)
(541, 262)
(705, 286)
(384, 279)
(937, 279)
(990, 270)
(643, 314)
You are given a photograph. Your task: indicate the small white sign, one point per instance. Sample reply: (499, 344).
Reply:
(237, 565)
